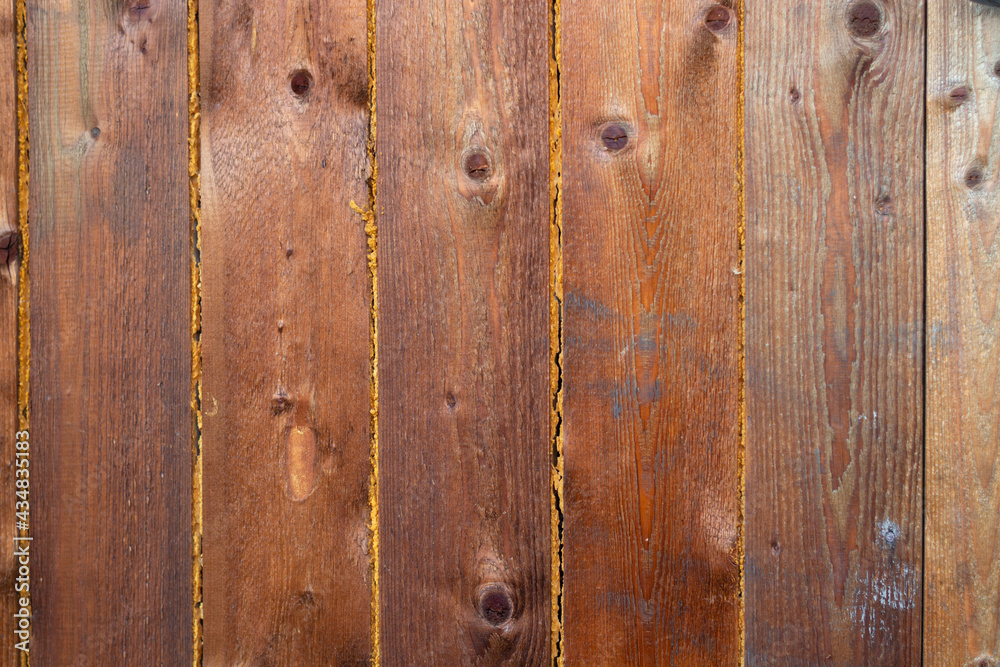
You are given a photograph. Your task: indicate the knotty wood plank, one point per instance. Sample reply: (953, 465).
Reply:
(285, 342)
(111, 355)
(834, 348)
(463, 216)
(962, 573)
(10, 260)
(650, 359)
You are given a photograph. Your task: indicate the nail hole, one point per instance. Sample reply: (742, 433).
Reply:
(974, 177)
(95, 132)
(718, 18)
(450, 400)
(864, 19)
(477, 166)
(301, 82)
(775, 547)
(614, 137)
(495, 605)
(794, 95)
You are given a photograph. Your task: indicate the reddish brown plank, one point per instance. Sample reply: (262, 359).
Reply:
(10, 260)
(834, 300)
(962, 573)
(285, 342)
(111, 350)
(650, 361)
(463, 217)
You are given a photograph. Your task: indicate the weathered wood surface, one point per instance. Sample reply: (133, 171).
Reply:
(834, 332)
(463, 217)
(962, 572)
(285, 343)
(10, 261)
(110, 356)
(650, 361)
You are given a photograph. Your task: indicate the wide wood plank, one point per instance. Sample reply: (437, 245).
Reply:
(285, 332)
(834, 348)
(650, 307)
(110, 329)
(962, 575)
(10, 262)
(463, 218)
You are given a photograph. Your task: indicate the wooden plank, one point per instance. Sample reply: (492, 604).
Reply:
(463, 217)
(111, 355)
(650, 360)
(834, 260)
(962, 574)
(10, 262)
(285, 344)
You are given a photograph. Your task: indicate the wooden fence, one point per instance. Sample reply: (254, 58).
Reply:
(428, 332)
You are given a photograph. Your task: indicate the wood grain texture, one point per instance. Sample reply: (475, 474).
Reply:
(10, 260)
(111, 356)
(285, 342)
(962, 574)
(650, 365)
(463, 216)
(834, 260)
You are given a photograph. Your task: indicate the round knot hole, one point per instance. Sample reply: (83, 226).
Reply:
(974, 177)
(718, 18)
(477, 166)
(301, 83)
(864, 19)
(495, 605)
(614, 137)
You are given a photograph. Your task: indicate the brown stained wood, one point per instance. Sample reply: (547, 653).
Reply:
(962, 572)
(463, 216)
(834, 298)
(650, 359)
(110, 330)
(285, 332)
(10, 259)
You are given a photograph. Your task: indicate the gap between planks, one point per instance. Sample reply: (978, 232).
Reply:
(741, 326)
(555, 329)
(371, 234)
(194, 189)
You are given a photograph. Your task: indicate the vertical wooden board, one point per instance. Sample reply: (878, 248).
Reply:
(650, 358)
(962, 574)
(463, 216)
(111, 344)
(285, 332)
(10, 260)
(834, 307)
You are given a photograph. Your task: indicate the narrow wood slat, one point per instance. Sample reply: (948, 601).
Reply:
(111, 310)
(834, 260)
(650, 359)
(10, 260)
(962, 575)
(463, 218)
(285, 343)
